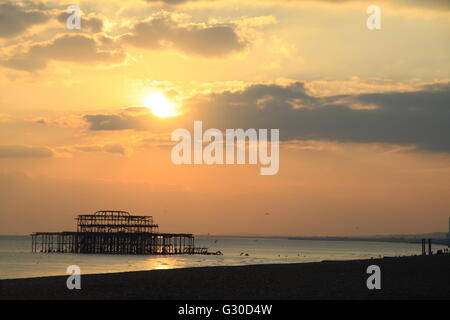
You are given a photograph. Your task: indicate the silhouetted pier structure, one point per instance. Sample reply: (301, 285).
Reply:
(115, 232)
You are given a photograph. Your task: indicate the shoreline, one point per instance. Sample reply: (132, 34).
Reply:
(413, 277)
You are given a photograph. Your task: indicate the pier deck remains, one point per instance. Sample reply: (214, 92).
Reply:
(115, 232)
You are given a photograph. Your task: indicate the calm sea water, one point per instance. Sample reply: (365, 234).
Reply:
(17, 260)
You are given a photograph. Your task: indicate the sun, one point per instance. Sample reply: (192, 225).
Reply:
(160, 106)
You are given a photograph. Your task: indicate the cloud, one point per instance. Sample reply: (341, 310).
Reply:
(165, 30)
(77, 48)
(157, 140)
(16, 19)
(111, 148)
(131, 118)
(121, 121)
(19, 151)
(420, 118)
(415, 118)
(170, 1)
(435, 4)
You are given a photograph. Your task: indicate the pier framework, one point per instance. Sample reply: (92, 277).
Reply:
(115, 232)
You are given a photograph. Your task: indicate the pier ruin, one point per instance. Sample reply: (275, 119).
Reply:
(115, 232)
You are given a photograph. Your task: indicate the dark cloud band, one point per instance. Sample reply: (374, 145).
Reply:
(420, 118)
(15, 19)
(19, 151)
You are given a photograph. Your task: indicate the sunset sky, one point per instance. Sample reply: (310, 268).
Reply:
(364, 115)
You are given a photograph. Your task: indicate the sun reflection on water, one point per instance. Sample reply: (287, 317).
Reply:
(161, 264)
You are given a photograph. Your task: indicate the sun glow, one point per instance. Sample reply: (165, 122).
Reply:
(160, 105)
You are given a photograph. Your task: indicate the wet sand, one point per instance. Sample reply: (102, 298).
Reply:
(418, 277)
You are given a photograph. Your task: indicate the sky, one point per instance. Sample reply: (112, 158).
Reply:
(86, 115)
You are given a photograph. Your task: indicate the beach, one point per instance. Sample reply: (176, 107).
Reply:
(415, 277)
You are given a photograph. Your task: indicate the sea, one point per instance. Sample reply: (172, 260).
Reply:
(17, 260)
